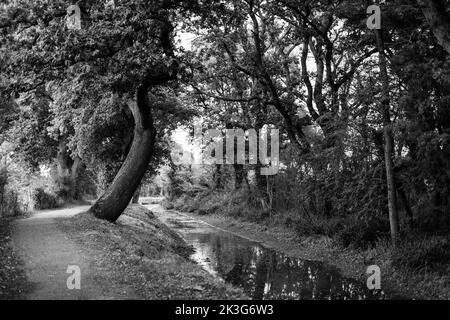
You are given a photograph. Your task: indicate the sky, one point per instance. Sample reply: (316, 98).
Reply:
(185, 39)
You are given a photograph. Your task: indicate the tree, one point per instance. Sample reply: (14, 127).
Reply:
(388, 138)
(126, 50)
(117, 197)
(437, 15)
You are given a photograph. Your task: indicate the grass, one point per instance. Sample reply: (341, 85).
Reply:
(13, 280)
(423, 254)
(347, 231)
(418, 267)
(144, 253)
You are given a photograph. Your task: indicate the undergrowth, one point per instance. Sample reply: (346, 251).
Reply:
(417, 252)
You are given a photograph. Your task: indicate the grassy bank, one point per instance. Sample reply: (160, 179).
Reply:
(417, 268)
(13, 280)
(140, 251)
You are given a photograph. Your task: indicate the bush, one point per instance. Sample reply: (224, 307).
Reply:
(423, 254)
(9, 203)
(315, 225)
(361, 233)
(358, 231)
(44, 200)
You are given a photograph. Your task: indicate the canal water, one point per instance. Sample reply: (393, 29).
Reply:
(261, 272)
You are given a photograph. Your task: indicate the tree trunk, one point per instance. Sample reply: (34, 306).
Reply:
(436, 15)
(136, 195)
(388, 139)
(62, 157)
(68, 170)
(74, 172)
(118, 195)
(408, 210)
(218, 178)
(238, 175)
(261, 183)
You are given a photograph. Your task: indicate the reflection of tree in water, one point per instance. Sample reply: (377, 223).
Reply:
(243, 272)
(265, 274)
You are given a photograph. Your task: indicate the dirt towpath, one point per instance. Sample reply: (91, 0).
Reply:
(48, 252)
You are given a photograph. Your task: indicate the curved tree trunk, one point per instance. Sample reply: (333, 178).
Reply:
(118, 195)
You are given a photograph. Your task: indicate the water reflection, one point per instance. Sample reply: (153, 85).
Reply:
(262, 272)
(266, 274)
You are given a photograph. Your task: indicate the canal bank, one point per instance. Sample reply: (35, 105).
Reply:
(261, 267)
(350, 263)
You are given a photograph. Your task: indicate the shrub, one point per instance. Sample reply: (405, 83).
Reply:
(361, 233)
(9, 202)
(315, 225)
(168, 205)
(44, 200)
(423, 254)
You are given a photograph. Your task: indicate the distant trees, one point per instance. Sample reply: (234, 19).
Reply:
(356, 107)
(364, 123)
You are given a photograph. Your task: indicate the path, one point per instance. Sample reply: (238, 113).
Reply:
(47, 252)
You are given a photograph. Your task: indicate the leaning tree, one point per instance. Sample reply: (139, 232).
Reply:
(124, 48)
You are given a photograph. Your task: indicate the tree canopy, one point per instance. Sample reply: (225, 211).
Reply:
(364, 114)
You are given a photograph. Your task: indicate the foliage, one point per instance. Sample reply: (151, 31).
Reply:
(9, 201)
(71, 87)
(309, 68)
(44, 200)
(13, 279)
(423, 254)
